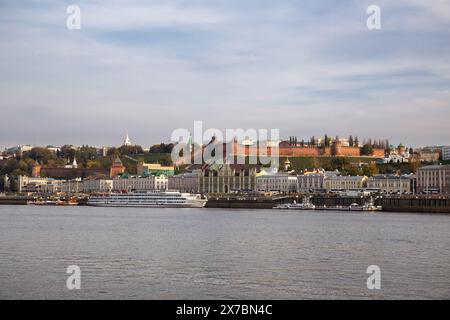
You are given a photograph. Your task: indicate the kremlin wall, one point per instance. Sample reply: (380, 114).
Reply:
(287, 150)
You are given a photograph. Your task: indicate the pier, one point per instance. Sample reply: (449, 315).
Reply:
(406, 203)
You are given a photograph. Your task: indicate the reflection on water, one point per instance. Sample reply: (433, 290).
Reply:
(138, 253)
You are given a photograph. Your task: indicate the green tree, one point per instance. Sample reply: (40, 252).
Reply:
(131, 150)
(370, 170)
(340, 163)
(67, 152)
(327, 141)
(167, 148)
(41, 155)
(367, 149)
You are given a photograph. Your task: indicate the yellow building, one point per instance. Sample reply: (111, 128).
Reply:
(154, 169)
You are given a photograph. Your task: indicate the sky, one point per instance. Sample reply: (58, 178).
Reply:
(306, 67)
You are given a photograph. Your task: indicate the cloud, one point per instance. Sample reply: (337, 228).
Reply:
(306, 67)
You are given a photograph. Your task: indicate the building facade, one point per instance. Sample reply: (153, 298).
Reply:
(226, 178)
(68, 186)
(434, 179)
(279, 182)
(131, 183)
(35, 184)
(345, 183)
(313, 181)
(154, 169)
(97, 185)
(391, 183)
(446, 153)
(185, 182)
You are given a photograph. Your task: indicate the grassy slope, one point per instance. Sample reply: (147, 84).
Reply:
(300, 163)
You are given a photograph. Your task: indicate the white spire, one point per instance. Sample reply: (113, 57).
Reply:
(127, 141)
(74, 164)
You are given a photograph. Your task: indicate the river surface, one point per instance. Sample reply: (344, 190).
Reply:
(145, 253)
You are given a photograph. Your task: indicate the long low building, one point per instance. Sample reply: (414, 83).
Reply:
(279, 182)
(150, 182)
(185, 182)
(97, 185)
(345, 183)
(391, 183)
(215, 178)
(313, 181)
(227, 178)
(50, 185)
(434, 179)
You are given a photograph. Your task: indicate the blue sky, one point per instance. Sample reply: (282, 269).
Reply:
(305, 67)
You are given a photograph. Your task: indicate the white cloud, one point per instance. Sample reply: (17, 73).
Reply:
(150, 68)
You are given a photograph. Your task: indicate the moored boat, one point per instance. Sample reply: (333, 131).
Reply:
(305, 205)
(368, 206)
(157, 199)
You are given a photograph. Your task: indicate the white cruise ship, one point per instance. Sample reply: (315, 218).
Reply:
(157, 199)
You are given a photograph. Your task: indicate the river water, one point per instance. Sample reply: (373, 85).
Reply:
(144, 253)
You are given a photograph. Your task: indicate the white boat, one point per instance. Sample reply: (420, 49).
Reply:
(368, 206)
(305, 205)
(156, 199)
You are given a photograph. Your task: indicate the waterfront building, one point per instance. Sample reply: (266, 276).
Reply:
(96, 185)
(68, 186)
(345, 183)
(35, 184)
(446, 153)
(391, 183)
(313, 181)
(310, 182)
(227, 178)
(280, 182)
(84, 186)
(130, 183)
(154, 169)
(434, 179)
(185, 182)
